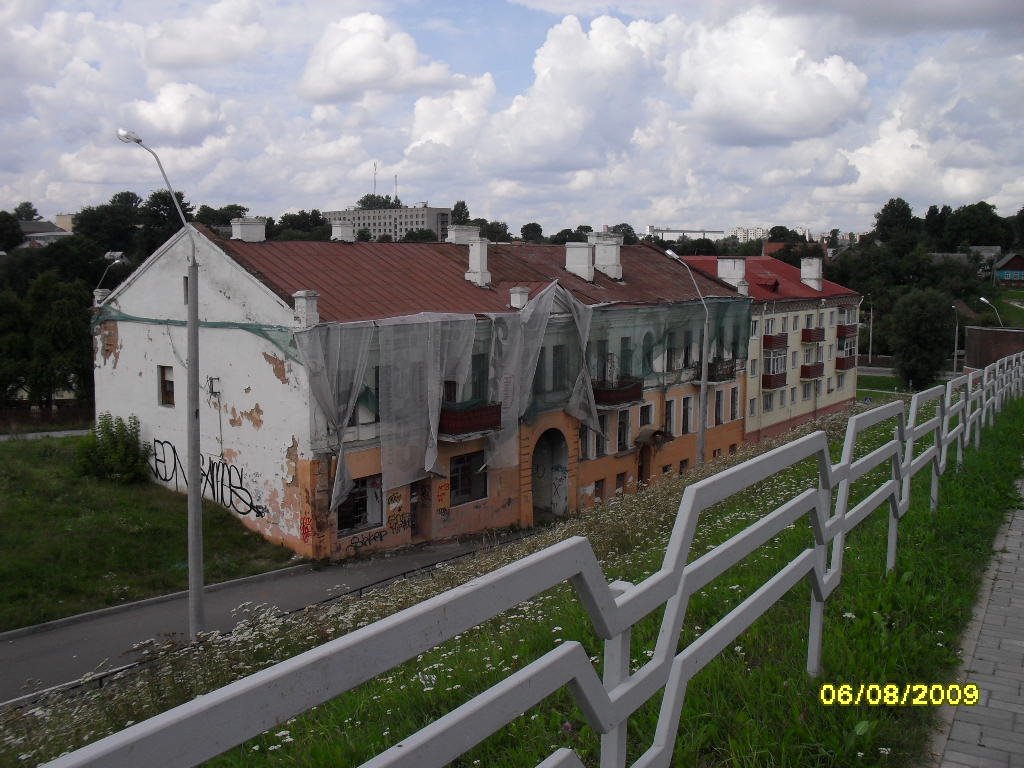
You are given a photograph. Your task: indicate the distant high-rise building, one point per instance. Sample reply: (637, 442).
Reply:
(396, 222)
(745, 234)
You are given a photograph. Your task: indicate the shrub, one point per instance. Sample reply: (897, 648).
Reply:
(113, 451)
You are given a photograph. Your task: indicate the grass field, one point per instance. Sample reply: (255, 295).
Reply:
(72, 544)
(885, 383)
(753, 706)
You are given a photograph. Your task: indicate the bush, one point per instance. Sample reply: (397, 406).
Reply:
(113, 451)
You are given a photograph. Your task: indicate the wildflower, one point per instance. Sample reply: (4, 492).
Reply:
(884, 750)
(849, 615)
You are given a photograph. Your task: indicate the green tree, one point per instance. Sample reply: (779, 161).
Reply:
(25, 211)
(628, 235)
(372, 202)
(420, 236)
(114, 226)
(10, 231)
(563, 236)
(15, 334)
(364, 235)
(160, 220)
(919, 328)
(220, 216)
(495, 231)
(895, 218)
(460, 212)
(977, 224)
(781, 234)
(385, 238)
(532, 232)
(61, 341)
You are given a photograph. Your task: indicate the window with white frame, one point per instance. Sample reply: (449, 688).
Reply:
(686, 410)
(767, 401)
(670, 417)
(775, 361)
(623, 430)
(753, 368)
(769, 326)
(753, 407)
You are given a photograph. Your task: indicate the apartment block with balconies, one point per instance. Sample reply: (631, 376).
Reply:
(802, 353)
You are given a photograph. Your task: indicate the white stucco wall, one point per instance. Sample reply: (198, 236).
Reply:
(256, 431)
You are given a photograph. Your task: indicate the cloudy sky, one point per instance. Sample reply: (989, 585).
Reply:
(705, 114)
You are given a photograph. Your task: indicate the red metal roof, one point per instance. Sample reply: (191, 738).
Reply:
(771, 279)
(363, 281)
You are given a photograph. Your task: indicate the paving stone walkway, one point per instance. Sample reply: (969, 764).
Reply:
(991, 733)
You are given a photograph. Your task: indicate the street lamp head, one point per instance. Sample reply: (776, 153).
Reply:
(672, 254)
(128, 137)
(985, 301)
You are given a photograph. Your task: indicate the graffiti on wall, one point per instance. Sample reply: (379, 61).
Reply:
(442, 500)
(220, 481)
(360, 540)
(398, 519)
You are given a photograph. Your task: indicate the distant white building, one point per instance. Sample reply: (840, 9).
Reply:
(746, 234)
(394, 221)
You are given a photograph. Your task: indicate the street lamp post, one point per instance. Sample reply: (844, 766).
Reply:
(703, 403)
(956, 336)
(871, 328)
(986, 301)
(196, 617)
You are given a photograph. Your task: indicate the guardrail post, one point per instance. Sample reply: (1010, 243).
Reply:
(616, 670)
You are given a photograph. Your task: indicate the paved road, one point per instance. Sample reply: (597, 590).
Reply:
(36, 658)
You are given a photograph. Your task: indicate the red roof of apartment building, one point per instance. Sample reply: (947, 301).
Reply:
(771, 279)
(362, 281)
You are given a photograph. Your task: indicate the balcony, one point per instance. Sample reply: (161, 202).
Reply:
(846, 331)
(461, 420)
(625, 390)
(812, 370)
(721, 370)
(773, 380)
(812, 335)
(775, 341)
(846, 363)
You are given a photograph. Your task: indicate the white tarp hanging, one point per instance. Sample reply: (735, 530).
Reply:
(517, 341)
(335, 356)
(418, 354)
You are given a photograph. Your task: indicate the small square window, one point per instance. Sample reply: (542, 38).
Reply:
(599, 489)
(165, 373)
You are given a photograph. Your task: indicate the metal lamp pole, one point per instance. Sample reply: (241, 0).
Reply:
(986, 301)
(196, 613)
(871, 328)
(703, 404)
(956, 336)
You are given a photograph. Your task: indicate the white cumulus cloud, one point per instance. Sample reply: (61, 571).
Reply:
(363, 53)
(219, 34)
(183, 112)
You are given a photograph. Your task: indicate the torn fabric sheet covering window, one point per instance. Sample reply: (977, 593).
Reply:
(335, 356)
(521, 344)
(418, 353)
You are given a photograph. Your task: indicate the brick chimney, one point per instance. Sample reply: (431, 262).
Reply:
(306, 312)
(518, 296)
(732, 269)
(478, 274)
(344, 231)
(607, 253)
(810, 271)
(579, 259)
(249, 230)
(461, 234)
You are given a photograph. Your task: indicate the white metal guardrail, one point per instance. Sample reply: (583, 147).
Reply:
(939, 419)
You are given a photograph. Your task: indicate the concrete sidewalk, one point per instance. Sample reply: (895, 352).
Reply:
(57, 652)
(991, 733)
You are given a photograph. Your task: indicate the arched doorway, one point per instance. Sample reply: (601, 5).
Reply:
(550, 477)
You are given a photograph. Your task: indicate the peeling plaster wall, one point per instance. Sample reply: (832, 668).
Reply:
(255, 433)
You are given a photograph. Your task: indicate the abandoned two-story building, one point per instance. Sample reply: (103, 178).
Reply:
(362, 396)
